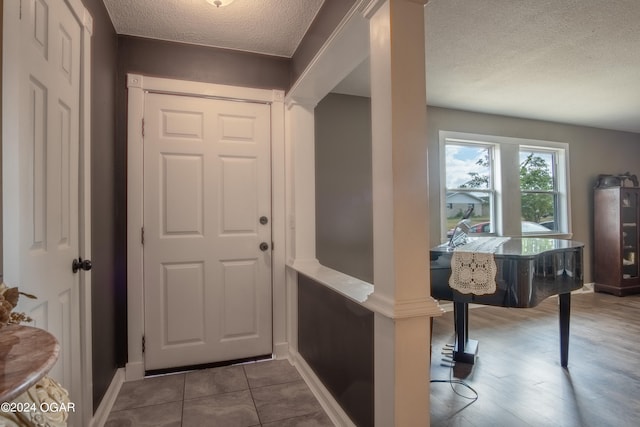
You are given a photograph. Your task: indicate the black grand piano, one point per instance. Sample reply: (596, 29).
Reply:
(528, 271)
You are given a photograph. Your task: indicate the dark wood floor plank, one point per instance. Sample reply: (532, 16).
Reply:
(518, 375)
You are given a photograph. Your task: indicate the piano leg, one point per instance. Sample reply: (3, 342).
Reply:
(565, 311)
(465, 349)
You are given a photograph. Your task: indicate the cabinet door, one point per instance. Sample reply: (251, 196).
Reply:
(629, 216)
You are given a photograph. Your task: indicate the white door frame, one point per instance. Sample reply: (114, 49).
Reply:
(137, 86)
(10, 93)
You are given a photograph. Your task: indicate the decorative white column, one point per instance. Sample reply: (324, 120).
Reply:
(300, 138)
(400, 214)
(300, 202)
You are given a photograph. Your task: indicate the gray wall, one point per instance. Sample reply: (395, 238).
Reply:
(344, 215)
(1, 55)
(203, 64)
(591, 151)
(104, 288)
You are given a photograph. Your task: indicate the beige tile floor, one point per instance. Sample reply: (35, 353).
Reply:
(268, 393)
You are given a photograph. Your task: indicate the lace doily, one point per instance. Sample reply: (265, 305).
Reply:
(473, 266)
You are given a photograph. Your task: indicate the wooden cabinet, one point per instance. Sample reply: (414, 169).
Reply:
(616, 240)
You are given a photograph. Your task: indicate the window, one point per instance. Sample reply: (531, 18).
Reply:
(469, 183)
(515, 186)
(538, 188)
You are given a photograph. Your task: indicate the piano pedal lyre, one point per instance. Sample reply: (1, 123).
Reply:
(447, 362)
(447, 352)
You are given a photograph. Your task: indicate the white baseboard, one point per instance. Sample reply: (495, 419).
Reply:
(103, 411)
(587, 288)
(281, 350)
(134, 371)
(328, 403)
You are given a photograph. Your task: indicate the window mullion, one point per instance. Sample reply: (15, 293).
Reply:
(509, 179)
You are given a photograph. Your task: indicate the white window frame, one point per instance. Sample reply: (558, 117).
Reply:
(506, 162)
(559, 176)
(490, 191)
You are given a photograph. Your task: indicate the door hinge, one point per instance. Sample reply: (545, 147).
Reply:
(20, 11)
(143, 127)
(142, 235)
(143, 343)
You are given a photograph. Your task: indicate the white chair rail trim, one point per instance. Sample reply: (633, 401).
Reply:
(363, 293)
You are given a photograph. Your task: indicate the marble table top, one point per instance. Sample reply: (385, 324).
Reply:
(26, 355)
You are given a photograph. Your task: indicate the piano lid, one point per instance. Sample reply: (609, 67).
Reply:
(533, 246)
(521, 247)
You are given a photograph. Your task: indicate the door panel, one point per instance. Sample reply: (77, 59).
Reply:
(238, 176)
(207, 181)
(239, 287)
(52, 129)
(182, 211)
(43, 212)
(183, 287)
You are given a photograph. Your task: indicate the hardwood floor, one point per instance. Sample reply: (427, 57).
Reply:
(517, 374)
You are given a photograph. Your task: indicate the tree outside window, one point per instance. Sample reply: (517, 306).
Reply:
(537, 186)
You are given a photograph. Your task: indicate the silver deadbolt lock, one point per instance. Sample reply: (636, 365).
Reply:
(264, 220)
(264, 246)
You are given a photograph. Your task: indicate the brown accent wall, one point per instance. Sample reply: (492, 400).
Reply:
(335, 337)
(106, 305)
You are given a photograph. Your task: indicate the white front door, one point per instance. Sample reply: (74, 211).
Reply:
(41, 164)
(207, 212)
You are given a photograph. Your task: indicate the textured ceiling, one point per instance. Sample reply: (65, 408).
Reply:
(574, 61)
(273, 27)
(568, 61)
